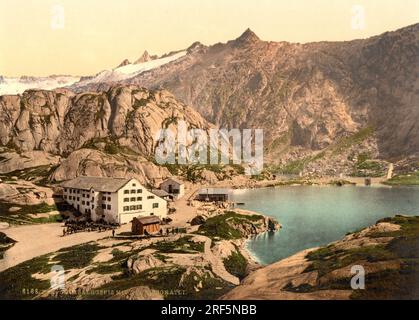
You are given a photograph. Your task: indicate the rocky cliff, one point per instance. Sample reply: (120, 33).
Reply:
(98, 133)
(305, 96)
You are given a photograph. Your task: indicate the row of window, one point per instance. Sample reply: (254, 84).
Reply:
(133, 191)
(133, 199)
(106, 207)
(138, 207)
(104, 198)
(132, 208)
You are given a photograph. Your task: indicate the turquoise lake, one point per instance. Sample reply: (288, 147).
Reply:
(314, 216)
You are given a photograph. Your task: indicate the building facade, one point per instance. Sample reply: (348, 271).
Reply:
(114, 200)
(174, 187)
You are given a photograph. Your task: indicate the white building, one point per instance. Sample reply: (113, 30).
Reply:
(174, 187)
(116, 200)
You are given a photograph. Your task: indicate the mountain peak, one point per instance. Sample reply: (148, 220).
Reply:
(124, 63)
(144, 58)
(248, 37)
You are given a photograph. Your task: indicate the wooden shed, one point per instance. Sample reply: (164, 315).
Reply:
(145, 225)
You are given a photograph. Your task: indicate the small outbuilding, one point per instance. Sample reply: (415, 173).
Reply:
(213, 195)
(174, 187)
(145, 225)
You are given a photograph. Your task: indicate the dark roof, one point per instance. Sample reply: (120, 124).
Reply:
(148, 220)
(160, 193)
(97, 183)
(213, 191)
(175, 180)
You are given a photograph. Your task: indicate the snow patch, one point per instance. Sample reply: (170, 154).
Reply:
(19, 85)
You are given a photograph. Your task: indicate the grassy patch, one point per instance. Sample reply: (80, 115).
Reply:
(77, 257)
(171, 282)
(17, 282)
(236, 264)
(22, 216)
(347, 142)
(225, 226)
(5, 243)
(411, 179)
(182, 245)
(38, 175)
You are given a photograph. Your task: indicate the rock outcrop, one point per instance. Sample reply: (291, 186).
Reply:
(112, 132)
(386, 252)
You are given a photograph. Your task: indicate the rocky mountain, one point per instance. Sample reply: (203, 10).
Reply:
(124, 63)
(100, 134)
(145, 57)
(306, 97)
(125, 71)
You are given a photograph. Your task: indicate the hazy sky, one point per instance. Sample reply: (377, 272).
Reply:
(99, 34)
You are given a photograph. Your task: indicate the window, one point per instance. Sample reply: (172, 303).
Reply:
(103, 198)
(126, 191)
(93, 206)
(88, 203)
(133, 199)
(78, 191)
(134, 185)
(109, 207)
(139, 191)
(103, 206)
(65, 190)
(139, 198)
(133, 191)
(83, 202)
(78, 199)
(139, 207)
(65, 197)
(126, 208)
(109, 198)
(132, 208)
(126, 199)
(155, 205)
(150, 197)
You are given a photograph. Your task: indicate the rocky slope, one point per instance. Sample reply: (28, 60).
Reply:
(388, 252)
(106, 133)
(305, 96)
(185, 266)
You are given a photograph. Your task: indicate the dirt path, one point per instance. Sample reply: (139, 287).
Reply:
(184, 212)
(37, 240)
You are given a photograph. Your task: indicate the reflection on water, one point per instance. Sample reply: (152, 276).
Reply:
(313, 216)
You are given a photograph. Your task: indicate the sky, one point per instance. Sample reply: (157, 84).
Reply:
(83, 37)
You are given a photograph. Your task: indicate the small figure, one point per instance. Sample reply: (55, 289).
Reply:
(113, 232)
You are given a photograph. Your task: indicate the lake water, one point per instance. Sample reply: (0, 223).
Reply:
(313, 216)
